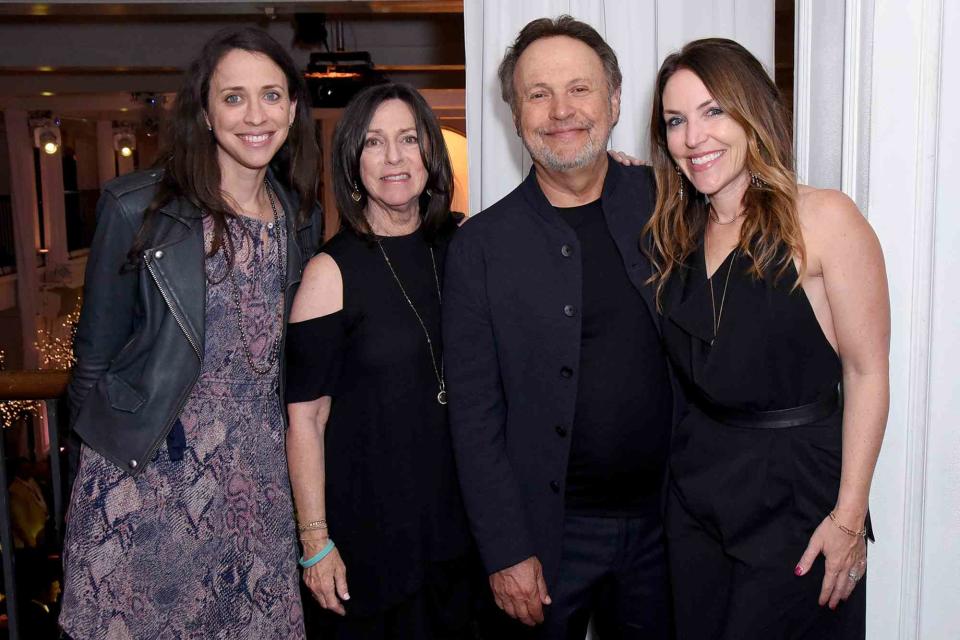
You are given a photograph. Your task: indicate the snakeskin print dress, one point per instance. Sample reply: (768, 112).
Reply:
(204, 546)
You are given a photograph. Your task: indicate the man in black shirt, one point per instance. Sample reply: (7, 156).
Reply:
(560, 398)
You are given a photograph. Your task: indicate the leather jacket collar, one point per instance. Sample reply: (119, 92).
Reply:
(176, 259)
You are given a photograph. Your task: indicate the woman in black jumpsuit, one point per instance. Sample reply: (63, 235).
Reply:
(774, 299)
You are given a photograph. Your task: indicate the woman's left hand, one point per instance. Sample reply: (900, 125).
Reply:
(845, 561)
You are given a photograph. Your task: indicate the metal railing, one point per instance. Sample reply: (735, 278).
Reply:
(48, 387)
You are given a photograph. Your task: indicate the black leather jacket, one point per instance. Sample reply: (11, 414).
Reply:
(140, 338)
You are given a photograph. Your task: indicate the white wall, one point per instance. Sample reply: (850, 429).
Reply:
(641, 33)
(896, 153)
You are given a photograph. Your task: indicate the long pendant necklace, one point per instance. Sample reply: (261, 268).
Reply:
(723, 297)
(274, 353)
(437, 370)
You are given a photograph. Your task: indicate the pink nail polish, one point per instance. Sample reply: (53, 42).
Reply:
(798, 570)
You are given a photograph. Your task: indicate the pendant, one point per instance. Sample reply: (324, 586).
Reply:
(442, 396)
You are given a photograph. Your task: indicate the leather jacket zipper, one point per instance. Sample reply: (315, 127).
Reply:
(173, 311)
(183, 397)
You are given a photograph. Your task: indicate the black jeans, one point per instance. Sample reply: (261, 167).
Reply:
(611, 569)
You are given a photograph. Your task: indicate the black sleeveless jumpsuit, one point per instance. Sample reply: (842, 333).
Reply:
(744, 500)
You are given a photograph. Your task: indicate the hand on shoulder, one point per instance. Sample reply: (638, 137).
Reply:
(321, 290)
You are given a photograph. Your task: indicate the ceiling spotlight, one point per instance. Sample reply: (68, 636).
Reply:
(124, 141)
(46, 136)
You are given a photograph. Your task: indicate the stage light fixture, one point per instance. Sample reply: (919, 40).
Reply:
(124, 142)
(46, 136)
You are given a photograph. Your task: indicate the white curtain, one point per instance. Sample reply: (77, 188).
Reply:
(893, 147)
(642, 32)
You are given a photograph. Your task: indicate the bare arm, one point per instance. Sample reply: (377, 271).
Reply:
(844, 247)
(320, 293)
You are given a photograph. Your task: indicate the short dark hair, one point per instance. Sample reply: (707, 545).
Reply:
(564, 25)
(348, 141)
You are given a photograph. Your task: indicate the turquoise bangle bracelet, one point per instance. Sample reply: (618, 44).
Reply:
(306, 564)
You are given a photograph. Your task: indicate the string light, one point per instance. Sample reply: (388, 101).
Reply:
(11, 411)
(56, 353)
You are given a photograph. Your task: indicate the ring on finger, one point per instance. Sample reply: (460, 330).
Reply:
(853, 575)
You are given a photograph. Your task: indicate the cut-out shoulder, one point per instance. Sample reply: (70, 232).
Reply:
(842, 251)
(321, 290)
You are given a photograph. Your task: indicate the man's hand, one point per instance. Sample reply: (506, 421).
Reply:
(520, 591)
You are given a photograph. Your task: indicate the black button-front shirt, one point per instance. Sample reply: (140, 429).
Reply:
(621, 428)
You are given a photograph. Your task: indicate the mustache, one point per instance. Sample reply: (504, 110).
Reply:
(586, 125)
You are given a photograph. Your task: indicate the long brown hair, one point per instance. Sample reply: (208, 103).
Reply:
(188, 154)
(770, 234)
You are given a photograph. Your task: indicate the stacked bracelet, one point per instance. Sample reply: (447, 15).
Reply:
(850, 532)
(312, 526)
(309, 562)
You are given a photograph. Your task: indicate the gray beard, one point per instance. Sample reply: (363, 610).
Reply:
(544, 155)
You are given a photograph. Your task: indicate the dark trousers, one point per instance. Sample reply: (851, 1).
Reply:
(722, 594)
(611, 569)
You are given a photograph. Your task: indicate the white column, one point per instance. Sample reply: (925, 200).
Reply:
(642, 34)
(54, 210)
(899, 141)
(124, 165)
(23, 200)
(818, 112)
(106, 156)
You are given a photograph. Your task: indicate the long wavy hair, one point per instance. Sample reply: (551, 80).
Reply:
(347, 147)
(188, 155)
(770, 234)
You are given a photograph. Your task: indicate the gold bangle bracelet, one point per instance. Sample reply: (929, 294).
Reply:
(847, 530)
(312, 526)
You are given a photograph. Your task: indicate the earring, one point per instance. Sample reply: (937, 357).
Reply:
(756, 181)
(356, 196)
(428, 192)
(680, 178)
(209, 128)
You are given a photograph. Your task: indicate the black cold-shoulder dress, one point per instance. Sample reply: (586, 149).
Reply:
(755, 463)
(392, 498)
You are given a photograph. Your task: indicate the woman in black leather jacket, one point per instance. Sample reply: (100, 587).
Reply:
(180, 522)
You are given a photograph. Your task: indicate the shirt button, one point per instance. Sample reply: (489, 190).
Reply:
(561, 431)
(269, 225)
(569, 310)
(132, 464)
(555, 486)
(566, 251)
(158, 254)
(566, 372)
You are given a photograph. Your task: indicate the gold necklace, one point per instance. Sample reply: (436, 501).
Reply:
(723, 296)
(716, 218)
(437, 370)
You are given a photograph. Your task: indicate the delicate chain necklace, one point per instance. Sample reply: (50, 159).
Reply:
(716, 218)
(274, 352)
(437, 370)
(723, 297)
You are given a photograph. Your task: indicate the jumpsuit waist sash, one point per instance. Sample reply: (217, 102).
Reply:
(802, 415)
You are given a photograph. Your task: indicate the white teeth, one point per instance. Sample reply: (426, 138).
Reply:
(259, 138)
(396, 178)
(707, 158)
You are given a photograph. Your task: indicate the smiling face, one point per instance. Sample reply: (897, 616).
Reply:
(564, 107)
(708, 145)
(249, 109)
(391, 166)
